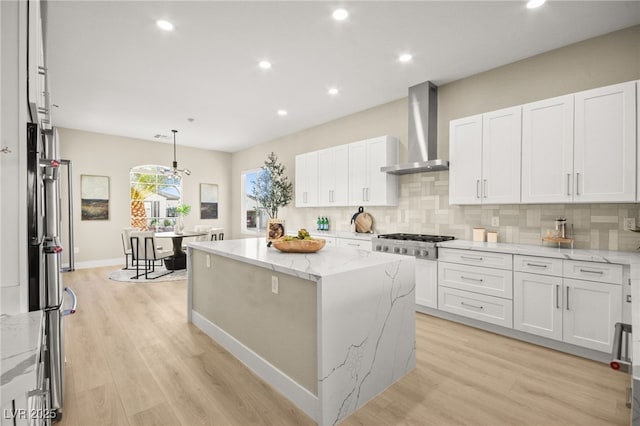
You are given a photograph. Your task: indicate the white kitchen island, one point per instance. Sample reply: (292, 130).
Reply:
(329, 330)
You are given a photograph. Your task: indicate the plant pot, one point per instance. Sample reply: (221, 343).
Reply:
(275, 229)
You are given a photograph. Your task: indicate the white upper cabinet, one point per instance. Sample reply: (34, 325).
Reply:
(501, 147)
(348, 175)
(465, 153)
(306, 185)
(576, 148)
(485, 158)
(368, 186)
(605, 144)
(547, 151)
(333, 174)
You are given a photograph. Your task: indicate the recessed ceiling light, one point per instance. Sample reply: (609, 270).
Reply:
(340, 14)
(265, 65)
(333, 91)
(164, 25)
(405, 57)
(282, 112)
(532, 4)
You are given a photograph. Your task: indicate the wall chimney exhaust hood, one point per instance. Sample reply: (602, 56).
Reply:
(422, 146)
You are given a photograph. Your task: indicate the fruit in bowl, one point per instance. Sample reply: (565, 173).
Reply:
(301, 243)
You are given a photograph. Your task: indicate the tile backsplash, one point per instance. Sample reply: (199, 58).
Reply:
(424, 208)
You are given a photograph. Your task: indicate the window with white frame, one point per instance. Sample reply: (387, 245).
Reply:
(253, 220)
(155, 194)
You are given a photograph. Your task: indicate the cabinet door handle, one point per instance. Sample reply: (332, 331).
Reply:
(577, 183)
(558, 296)
(470, 257)
(477, 188)
(567, 298)
(536, 265)
(472, 306)
(569, 184)
(462, 277)
(486, 190)
(592, 272)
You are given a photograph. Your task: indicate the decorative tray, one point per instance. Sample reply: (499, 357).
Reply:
(299, 246)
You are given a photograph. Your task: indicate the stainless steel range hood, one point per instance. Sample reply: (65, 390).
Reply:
(423, 137)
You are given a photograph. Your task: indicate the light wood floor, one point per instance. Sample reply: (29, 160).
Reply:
(132, 359)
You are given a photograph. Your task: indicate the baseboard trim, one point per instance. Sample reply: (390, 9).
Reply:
(297, 394)
(98, 263)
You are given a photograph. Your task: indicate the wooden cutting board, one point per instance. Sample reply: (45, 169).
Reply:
(364, 222)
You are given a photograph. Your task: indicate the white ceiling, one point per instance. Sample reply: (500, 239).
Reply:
(113, 71)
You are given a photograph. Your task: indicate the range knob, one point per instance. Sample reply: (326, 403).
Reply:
(416, 252)
(425, 253)
(378, 247)
(396, 249)
(403, 251)
(385, 248)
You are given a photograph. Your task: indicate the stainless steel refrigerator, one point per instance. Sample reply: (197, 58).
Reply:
(46, 289)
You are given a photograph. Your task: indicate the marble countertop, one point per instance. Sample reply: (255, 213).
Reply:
(20, 352)
(311, 266)
(605, 256)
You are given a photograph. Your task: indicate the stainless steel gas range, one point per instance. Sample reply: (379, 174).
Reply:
(418, 245)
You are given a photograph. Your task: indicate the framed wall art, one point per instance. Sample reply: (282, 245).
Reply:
(208, 201)
(94, 198)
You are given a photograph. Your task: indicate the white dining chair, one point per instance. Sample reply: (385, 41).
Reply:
(145, 249)
(126, 246)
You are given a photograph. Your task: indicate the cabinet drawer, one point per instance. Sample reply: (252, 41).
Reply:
(538, 265)
(477, 306)
(489, 281)
(479, 258)
(593, 271)
(357, 244)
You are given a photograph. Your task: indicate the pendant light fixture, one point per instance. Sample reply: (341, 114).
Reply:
(174, 169)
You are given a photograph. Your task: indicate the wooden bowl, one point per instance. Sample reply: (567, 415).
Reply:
(299, 246)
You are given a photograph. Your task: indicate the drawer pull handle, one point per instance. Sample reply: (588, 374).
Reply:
(567, 298)
(591, 272)
(471, 279)
(558, 296)
(536, 265)
(472, 306)
(470, 257)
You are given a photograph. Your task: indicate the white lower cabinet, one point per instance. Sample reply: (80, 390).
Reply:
(537, 304)
(579, 312)
(565, 300)
(490, 309)
(489, 281)
(591, 312)
(427, 283)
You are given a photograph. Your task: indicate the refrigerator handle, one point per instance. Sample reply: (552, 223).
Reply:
(74, 305)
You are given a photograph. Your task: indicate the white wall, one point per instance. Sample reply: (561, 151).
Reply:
(106, 155)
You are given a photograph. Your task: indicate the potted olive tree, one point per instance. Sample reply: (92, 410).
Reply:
(271, 191)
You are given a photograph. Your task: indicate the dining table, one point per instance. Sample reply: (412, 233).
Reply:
(179, 258)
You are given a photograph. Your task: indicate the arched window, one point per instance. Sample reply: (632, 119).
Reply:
(155, 193)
